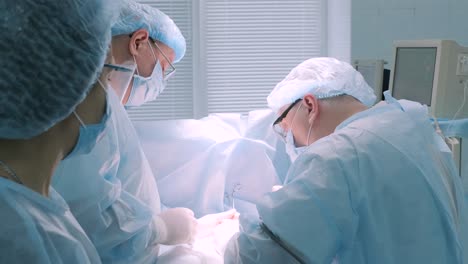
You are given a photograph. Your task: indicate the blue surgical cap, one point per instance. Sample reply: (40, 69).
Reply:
(323, 78)
(52, 52)
(135, 16)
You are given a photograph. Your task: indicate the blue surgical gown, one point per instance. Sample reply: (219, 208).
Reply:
(39, 229)
(112, 192)
(377, 190)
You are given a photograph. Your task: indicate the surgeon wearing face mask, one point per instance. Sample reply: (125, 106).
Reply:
(52, 108)
(112, 191)
(148, 40)
(286, 133)
(371, 186)
(146, 86)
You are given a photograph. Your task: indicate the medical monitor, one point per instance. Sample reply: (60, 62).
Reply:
(464, 164)
(431, 72)
(414, 74)
(373, 73)
(457, 153)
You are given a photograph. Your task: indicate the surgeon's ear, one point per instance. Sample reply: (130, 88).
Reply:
(137, 39)
(312, 106)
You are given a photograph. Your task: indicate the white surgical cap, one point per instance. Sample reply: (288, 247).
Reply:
(52, 52)
(135, 16)
(323, 78)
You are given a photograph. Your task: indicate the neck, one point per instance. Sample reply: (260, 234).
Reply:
(346, 112)
(332, 117)
(33, 161)
(120, 46)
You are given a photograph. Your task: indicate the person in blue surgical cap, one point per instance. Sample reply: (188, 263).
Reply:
(112, 190)
(368, 185)
(52, 108)
(150, 41)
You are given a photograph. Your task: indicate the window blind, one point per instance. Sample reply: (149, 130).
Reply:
(250, 45)
(237, 51)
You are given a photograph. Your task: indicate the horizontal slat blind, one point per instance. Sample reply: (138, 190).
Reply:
(251, 45)
(176, 101)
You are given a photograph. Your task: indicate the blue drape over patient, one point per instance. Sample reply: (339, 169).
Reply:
(217, 162)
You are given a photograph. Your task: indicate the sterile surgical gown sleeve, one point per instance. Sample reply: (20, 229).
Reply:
(134, 170)
(312, 214)
(253, 245)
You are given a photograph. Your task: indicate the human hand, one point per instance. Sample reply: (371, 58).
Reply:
(207, 223)
(176, 226)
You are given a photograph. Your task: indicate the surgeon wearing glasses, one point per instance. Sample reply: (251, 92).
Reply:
(151, 60)
(368, 184)
(112, 191)
(280, 126)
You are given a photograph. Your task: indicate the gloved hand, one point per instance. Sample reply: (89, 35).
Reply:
(176, 226)
(207, 223)
(223, 233)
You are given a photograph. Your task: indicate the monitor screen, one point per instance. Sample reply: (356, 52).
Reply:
(414, 74)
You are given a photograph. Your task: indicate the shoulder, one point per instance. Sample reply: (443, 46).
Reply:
(29, 234)
(339, 147)
(20, 237)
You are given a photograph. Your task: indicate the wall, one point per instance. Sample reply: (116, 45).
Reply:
(375, 24)
(339, 29)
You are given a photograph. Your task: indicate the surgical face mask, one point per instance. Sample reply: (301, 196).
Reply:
(291, 148)
(89, 135)
(146, 89)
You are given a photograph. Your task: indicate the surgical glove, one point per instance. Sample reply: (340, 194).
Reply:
(176, 226)
(208, 223)
(223, 233)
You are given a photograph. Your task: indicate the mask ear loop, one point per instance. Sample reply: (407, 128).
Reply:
(308, 134)
(136, 67)
(294, 117)
(152, 52)
(310, 129)
(102, 86)
(74, 111)
(157, 60)
(79, 119)
(10, 172)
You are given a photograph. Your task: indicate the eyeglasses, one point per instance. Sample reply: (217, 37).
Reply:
(118, 67)
(169, 71)
(277, 124)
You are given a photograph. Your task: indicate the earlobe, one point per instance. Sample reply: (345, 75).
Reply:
(133, 47)
(312, 106)
(137, 39)
(313, 116)
(310, 102)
